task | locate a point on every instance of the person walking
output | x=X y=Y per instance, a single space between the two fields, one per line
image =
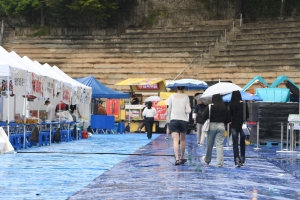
x=149 y=113
x=140 y=127
x=219 y=116
x=199 y=110
x=179 y=105
x=239 y=114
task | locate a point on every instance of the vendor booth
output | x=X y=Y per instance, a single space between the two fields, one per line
x=133 y=113
x=113 y=103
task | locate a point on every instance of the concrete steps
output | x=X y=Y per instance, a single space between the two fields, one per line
x=268 y=49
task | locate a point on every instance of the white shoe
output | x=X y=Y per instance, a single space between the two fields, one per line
x=166 y=138
x=203 y=159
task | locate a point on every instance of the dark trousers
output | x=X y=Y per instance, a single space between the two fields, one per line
x=141 y=125
x=235 y=142
x=149 y=121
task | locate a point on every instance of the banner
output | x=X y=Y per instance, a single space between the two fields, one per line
x=36 y=86
x=19 y=78
x=66 y=93
x=75 y=97
x=88 y=96
x=161 y=111
x=113 y=107
x=83 y=95
x=4 y=88
x=57 y=89
x=48 y=87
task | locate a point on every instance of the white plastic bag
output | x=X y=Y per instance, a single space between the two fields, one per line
x=245 y=128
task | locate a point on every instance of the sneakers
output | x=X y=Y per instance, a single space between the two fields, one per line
x=238 y=164
x=166 y=138
x=219 y=165
x=200 y=144
x=203 y=159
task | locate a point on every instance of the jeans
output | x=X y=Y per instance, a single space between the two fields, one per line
x=215 y=134
x=200 y=134
x=235 y=137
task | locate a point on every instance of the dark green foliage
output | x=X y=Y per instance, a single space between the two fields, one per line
x=67 y=13
x=41 y=32
x=256 y=9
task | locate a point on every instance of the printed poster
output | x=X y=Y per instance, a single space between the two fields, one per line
x=161 y=111
x=113 y=107
x=18 y=82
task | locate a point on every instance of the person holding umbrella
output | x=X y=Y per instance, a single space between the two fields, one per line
x=239 y=113
x=219 y=116
x=179 y=108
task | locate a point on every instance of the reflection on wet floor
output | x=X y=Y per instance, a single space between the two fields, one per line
x=130 y=166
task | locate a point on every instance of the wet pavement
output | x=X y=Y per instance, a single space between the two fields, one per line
x=129 y=166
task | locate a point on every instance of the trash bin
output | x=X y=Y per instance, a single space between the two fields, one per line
x=121 y=127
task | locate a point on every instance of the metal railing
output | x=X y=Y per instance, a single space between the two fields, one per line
x=1 y=33
x=215 y=40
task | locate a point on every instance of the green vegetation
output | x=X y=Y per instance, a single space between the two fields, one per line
x=117 y=13
x=66 y=13
x=41 y=32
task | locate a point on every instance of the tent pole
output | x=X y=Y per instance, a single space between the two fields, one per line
x=7 y=88
x=25 y=123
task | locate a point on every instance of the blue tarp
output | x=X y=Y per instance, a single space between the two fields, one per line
x=101 y=91
x=273 y=94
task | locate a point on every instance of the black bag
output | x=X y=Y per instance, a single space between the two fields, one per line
x=34 y=137
x=56 y=136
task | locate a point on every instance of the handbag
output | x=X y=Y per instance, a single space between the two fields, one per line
x=245 y=128
x=205 y=126
x=245 y=124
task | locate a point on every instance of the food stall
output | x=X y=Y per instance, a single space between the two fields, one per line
x=144 y=87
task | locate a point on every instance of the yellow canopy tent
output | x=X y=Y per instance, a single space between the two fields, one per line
x=145 y=84
x=164 y=96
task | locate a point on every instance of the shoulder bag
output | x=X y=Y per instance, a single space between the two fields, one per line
x=205 y=126
x=245 y=124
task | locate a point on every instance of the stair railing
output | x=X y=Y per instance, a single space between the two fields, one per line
x=1 y=33
x=214 y=41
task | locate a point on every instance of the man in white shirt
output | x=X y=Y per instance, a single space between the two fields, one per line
x=50 y=110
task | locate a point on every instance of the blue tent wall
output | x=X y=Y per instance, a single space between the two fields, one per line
x=101 y=91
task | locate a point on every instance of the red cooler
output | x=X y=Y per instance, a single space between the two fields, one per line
x=85 y=135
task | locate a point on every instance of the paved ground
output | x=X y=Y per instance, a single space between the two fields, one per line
x=130 y=166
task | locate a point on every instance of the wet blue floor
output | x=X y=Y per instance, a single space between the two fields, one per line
x=129 y=166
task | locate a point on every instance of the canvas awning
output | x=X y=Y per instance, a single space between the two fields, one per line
x=145 y=84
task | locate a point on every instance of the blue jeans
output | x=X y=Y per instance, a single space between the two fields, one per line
x=215 y=134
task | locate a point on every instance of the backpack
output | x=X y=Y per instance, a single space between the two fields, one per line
x=56 y=136
x=34 y=137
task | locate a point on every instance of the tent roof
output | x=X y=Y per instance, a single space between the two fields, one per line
x=99 y=90
x=288 y=83
x=254 y=80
